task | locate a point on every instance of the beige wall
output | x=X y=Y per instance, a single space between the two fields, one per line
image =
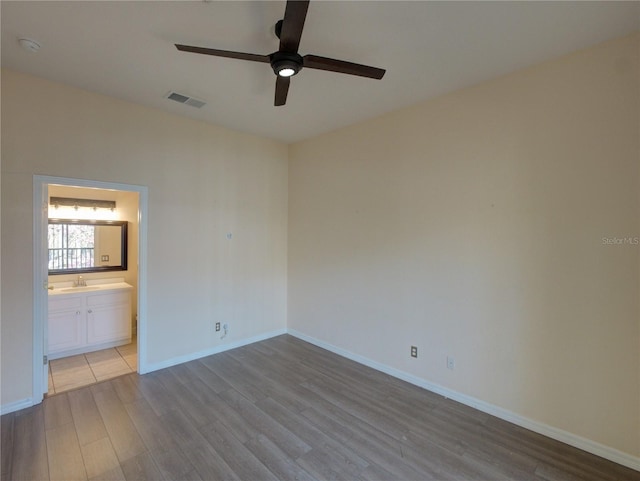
x=472 y=226
x=203 y=182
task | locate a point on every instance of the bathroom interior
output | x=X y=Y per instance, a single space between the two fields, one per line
x=91 y=332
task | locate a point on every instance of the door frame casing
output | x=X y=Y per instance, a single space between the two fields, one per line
x=40 y=268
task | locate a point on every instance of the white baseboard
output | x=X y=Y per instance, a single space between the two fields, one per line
x=566 y=437
x=150 y=367
x=16 y=406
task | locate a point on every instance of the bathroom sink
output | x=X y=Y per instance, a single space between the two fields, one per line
x=80 y=289
x=59 y=290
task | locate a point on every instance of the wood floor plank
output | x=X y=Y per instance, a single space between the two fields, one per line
x=281 y=379
x=180 y=427
x=210 y=378
x=149 y=425
x=358 y=408
x=186 y=399
x=180 y=373
x=381 y=450
x=206 y=460
x=99 y=457
x=550 y=473
x=156 y=394
x=373 y=472
x=173 y=463
x=270 y=367
x=498 y=468
x=315 y=438
x=127 y=388
x=555 y=454
x=191 y=476
x=412 y=397
x=29 y=449
x=159 y=440
x=276 y=460
x=324 y=464
x=115 y=474
x=371 y=439
x=56 y=411
x=291 y=444
x=239 y=425
x=86 y=417
x=6 y=443
x=209 y=465
x=243 y=463
x=141 y=468
x=236 y=375
x=64 y=455
x=494 y=450
x=125 y=439
x=204 y=393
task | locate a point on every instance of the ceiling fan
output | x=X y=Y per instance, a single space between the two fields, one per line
x=286 y=62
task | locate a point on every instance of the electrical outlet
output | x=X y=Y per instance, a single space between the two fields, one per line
x=225 y=326
x=414 y=351
x=451 y=363
x=217 y=326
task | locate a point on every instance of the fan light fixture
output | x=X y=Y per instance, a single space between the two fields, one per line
x=286 y=72
x=286 y=64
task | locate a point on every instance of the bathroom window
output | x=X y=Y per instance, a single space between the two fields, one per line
x=71 y=246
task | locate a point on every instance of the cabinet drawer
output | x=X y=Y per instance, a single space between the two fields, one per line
x=112 y=298
x=64 y=303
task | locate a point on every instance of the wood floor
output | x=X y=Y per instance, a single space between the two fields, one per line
x=280 y=409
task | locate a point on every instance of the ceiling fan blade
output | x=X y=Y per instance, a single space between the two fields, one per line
x=224 y=53
x=292 y=24
x=340 y=66
x=282 y=88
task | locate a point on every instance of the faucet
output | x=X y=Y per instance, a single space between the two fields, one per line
x=81 y=282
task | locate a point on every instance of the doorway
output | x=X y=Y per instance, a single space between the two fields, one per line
x=132 y=356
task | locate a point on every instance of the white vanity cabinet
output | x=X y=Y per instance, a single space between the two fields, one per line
x=108 y=317
x=66 y=323
x=88 y=321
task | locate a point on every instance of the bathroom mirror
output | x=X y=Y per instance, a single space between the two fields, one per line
x=79 y=246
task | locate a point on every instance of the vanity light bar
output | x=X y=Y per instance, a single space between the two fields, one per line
x=93 y=203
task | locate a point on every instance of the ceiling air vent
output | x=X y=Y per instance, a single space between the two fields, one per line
x=185 y=99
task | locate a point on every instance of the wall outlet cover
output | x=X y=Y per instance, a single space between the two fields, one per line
x=451 y=363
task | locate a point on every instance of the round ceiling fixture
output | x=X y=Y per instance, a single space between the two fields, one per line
x=29 y=44
x=286 y=64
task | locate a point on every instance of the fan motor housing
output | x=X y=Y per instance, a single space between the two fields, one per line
x=286 y=60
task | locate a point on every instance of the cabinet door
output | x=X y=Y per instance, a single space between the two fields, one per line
x=66 y=330
x=108 y=323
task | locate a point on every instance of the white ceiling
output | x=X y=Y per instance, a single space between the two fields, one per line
x=125 y=50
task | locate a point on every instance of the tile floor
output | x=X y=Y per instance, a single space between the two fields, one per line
x=84 y=369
